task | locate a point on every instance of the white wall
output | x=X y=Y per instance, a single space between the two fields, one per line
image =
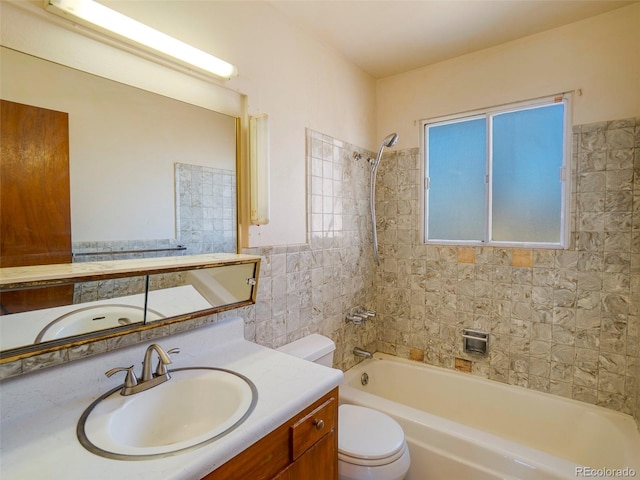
x=600 y=56
x=284 y=71
x=300 y=83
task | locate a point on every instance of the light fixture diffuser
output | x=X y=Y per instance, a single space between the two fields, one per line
x=259 y=169
x=98 y=17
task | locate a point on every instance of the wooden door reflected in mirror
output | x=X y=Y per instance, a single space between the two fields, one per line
x=35 y=216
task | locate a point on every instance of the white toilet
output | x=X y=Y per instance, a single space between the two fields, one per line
x=371 y=445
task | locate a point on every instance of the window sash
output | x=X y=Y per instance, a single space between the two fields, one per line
x=488 y=114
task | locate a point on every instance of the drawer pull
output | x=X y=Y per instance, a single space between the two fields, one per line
x=311 y=428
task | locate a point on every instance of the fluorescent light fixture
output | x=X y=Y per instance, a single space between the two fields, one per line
x=259 y=169
x=98 y=17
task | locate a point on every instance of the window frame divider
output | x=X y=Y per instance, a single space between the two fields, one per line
x=489 y=181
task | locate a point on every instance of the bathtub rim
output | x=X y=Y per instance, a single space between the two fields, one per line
x=523 y=454
x=493 y=383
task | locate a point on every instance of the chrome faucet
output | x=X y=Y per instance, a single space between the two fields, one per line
x=359 y=352
x=366 y=313
x=133 y=385
x=355 y=318
x=359 y=315
x=163 y=361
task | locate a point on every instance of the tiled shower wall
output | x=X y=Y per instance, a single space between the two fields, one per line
x=561 y=321
x=206 y=208
x=309 y=288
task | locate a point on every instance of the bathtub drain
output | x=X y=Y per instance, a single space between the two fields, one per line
x=364 y=379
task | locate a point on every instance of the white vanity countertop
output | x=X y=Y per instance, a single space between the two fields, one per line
x=40 y=410
x=142 y=266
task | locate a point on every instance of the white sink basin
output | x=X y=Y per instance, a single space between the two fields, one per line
x=195 y=407
x=94 y=318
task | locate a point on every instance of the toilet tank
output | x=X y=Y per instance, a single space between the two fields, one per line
x=314 y=348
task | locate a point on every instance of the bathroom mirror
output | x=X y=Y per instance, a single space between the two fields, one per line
x=144 y=168
x=106 y=306
x=182 y=293
x=92 y=306
x=149 y=175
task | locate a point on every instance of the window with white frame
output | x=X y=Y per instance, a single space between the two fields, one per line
x=499 y=176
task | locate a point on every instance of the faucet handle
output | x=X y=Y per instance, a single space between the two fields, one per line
x=161 y=368
x=367 y=313
x=130 y=380
x=356 y=318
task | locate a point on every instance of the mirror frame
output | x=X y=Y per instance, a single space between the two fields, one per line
x=26 y=351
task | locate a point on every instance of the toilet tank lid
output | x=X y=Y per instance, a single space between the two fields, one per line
x=311 y=347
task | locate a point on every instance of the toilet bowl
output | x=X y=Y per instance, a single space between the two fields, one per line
x=371 y=445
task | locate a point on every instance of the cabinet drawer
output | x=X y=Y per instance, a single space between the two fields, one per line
x=273 y=456
x=311 y=428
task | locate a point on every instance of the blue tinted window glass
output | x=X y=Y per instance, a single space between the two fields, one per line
x=527 y=154
x=456 y=159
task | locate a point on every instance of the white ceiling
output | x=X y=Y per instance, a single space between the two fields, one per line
x=387 y=37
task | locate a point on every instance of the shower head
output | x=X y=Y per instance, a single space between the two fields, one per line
x=390 y=140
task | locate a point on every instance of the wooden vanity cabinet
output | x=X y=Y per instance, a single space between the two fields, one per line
x=304 y=447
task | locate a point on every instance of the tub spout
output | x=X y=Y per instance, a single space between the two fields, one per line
x=358 y=352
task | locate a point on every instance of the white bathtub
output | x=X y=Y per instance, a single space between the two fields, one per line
x=462 y=427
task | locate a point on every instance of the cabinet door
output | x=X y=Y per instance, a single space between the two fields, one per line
x=285 y=474
x=320 y=462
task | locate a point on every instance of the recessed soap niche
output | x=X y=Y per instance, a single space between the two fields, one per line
x=475 y=342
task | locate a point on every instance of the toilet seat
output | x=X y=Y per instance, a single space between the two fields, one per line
x=372 y=463
x=368 y=437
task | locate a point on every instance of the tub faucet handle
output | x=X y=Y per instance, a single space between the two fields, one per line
x=356 y=318
x=367 y=313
